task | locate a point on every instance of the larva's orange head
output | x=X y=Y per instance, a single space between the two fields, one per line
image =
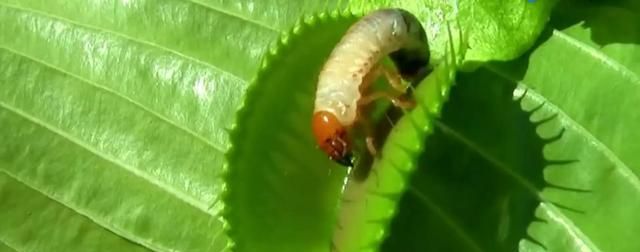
x=331 y=137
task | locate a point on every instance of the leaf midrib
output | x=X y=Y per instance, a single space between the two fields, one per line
x=596 y=54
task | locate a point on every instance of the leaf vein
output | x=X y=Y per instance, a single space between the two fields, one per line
x=447 y=219
x=120 y=96
x=495 y=161
x=605 y=59
x=7 y=244
x=585 y=244
x=118 y=231
x=184 y=197
x=624 y=170
x=127 y=37
x=235 y=15
x=567 y=223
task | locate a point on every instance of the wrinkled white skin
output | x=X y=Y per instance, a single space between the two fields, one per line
x=363 y=46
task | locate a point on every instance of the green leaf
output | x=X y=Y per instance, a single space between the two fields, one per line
x=114 y=117
x=478 y=178
x=594 y=101
x=30 y=225
x=491 y=181
x=5 y=248
x=281 y=188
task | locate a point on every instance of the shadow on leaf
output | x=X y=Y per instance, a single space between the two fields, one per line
x=477 y=183
x=609 y=21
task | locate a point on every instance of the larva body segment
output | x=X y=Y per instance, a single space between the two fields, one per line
x=348 y=72
x=363 y=46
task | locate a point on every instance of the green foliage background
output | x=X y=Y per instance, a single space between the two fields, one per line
x=115 y=121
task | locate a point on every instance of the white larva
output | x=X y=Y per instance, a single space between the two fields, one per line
x=386 y=32
x=364 y=45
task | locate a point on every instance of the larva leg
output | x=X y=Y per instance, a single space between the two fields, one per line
x=371 y=146
x=369 y=137
x=396 y=100
x=394 y=79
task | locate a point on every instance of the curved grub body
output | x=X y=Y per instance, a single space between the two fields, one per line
x=387 y=32
x=344 y=81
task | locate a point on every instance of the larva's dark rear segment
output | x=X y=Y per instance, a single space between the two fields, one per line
x=412 y=60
